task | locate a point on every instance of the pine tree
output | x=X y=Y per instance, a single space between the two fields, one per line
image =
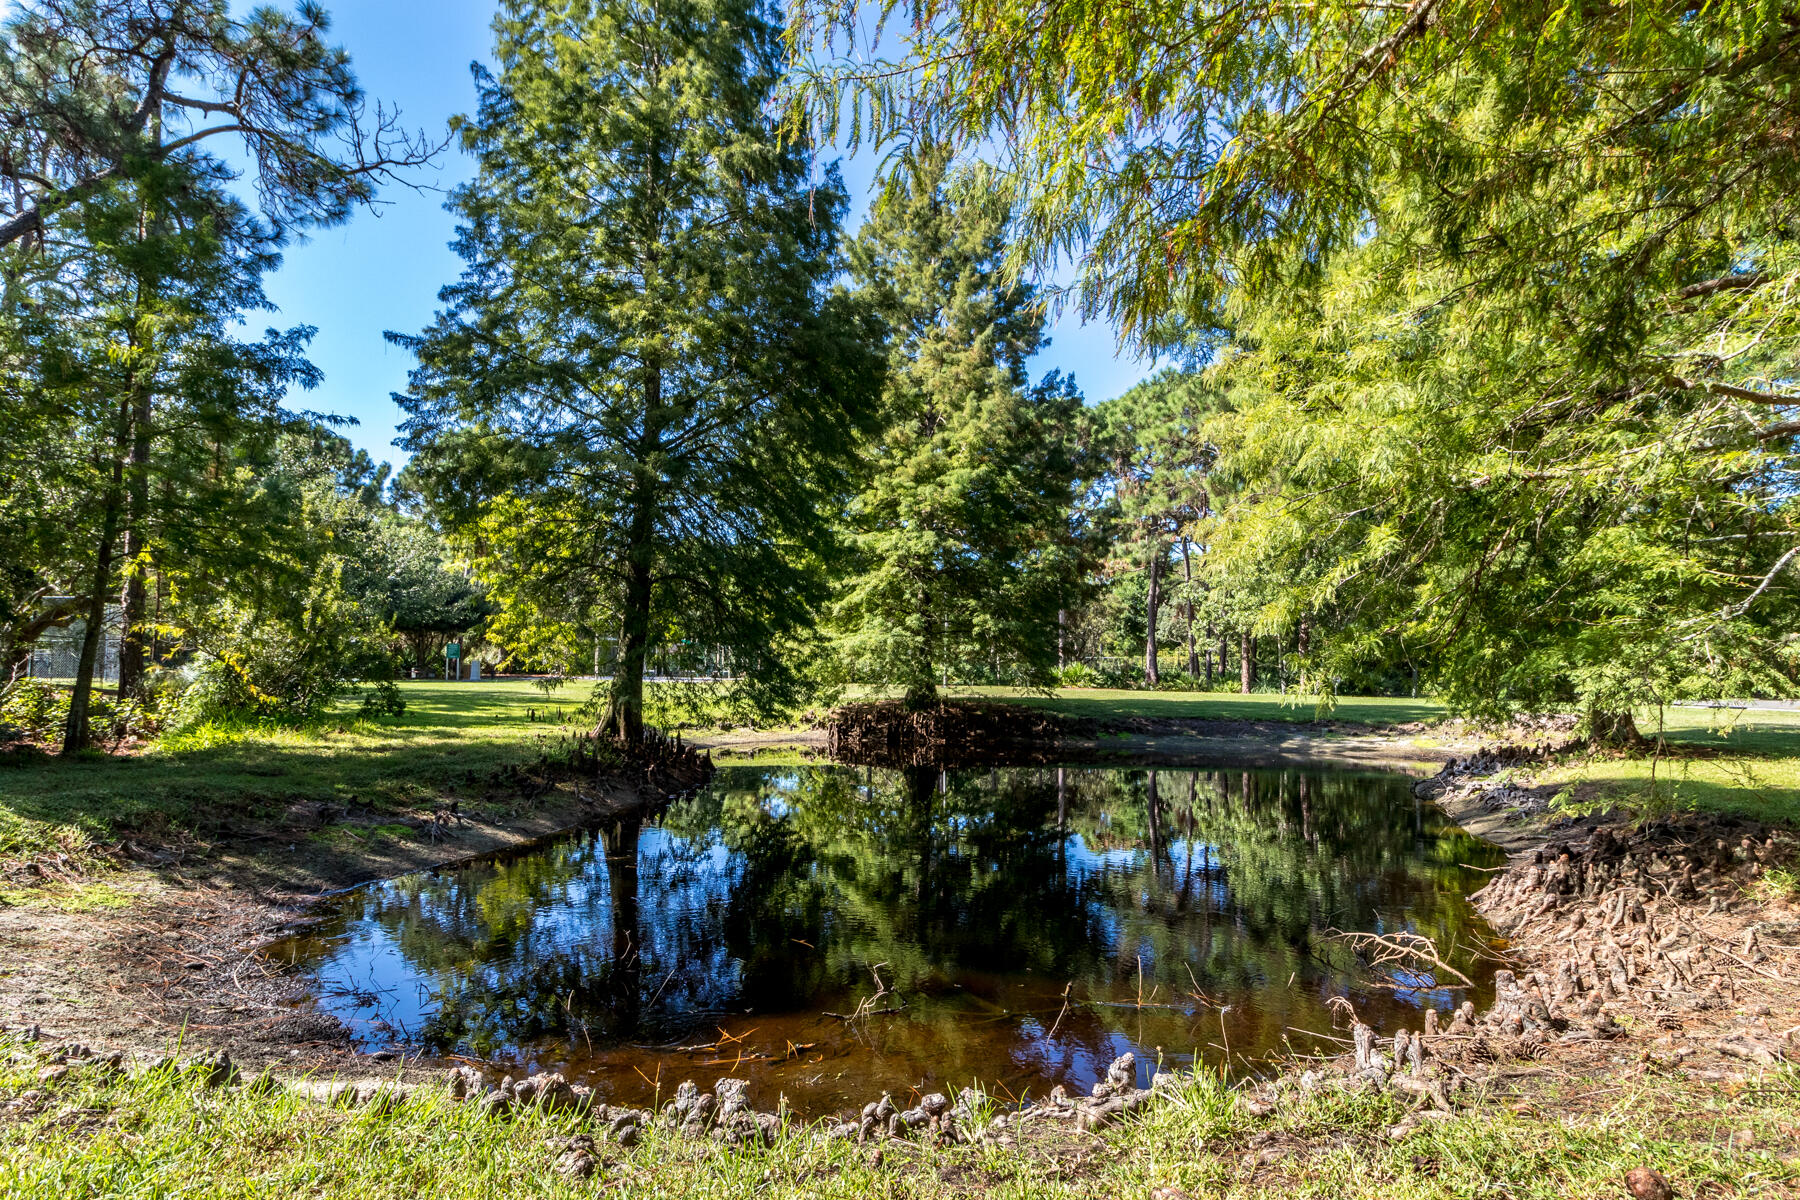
x=963 y=538
x=134 y=352
x=639 y=392
x=1158 y=459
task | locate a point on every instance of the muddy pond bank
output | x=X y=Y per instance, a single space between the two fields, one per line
x=832 y=932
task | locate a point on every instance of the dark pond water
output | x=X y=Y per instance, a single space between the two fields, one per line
x=1021 y=927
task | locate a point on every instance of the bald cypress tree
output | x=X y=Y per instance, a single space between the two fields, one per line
x=964 y=547
x=640 y=393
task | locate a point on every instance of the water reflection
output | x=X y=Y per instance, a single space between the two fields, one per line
x=1022 y=926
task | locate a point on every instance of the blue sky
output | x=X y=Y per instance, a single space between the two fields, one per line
x=383 y=269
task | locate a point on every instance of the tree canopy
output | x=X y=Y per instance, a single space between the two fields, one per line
x=1502 y=297
x=964 y=549
x=640 y=391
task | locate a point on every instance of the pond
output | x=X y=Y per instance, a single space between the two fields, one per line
x=832 y=932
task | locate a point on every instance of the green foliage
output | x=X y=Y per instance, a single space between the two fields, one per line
x=1155 y=491
x=638 y=401
x=318 y=607
x=382 y=700
x=416 y=593
x=963 y=548
x=1508 y=295
x=36 y=709
x=1779 y=883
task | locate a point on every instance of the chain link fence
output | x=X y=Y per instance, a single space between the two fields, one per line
x=54 y=659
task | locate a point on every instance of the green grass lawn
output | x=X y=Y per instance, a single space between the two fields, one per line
x=453 y=735
x=1751 y=766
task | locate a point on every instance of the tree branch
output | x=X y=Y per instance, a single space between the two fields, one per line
x=1724 y=283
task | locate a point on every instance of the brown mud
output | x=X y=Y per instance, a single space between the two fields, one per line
x=173 y=955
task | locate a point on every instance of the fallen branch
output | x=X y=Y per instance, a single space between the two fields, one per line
x=1400 y=947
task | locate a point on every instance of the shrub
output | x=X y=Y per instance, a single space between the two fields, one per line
x=1076 y=674
x=383 y=700
x=37 y=709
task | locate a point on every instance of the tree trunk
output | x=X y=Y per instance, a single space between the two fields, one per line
x=625 y=714
x=134 y=601
x=15 y=660
x=1187 y=573
x=1246 y=661
x=1209 y=657
x=75 y=732
x=922 y=692
x=1612 y=729
x=1152 y=602
x=134 y=444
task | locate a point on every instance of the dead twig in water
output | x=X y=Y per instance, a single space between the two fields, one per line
x=867 y=1006
x=1062 y=1012
x=1400 y=948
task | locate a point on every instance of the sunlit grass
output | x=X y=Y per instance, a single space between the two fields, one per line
x=213 y=776
x=1116 y=703
x=167 y=1135
x=1742 y=762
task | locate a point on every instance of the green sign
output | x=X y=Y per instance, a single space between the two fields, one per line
x=453 y=650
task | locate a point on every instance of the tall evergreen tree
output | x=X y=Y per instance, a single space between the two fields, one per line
x=1158 y=459
x=639 y=390
x=964 y=546
x=137 y=360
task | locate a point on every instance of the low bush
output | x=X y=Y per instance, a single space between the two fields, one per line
x=1076 y=674
x=383 y=700
x=37 y=709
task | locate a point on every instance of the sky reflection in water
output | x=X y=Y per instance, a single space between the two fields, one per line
x=1027 y=924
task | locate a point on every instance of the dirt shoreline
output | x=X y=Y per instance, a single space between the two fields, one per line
x=175 y=955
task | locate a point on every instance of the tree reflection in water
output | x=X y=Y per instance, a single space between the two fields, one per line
x=1029 y=924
